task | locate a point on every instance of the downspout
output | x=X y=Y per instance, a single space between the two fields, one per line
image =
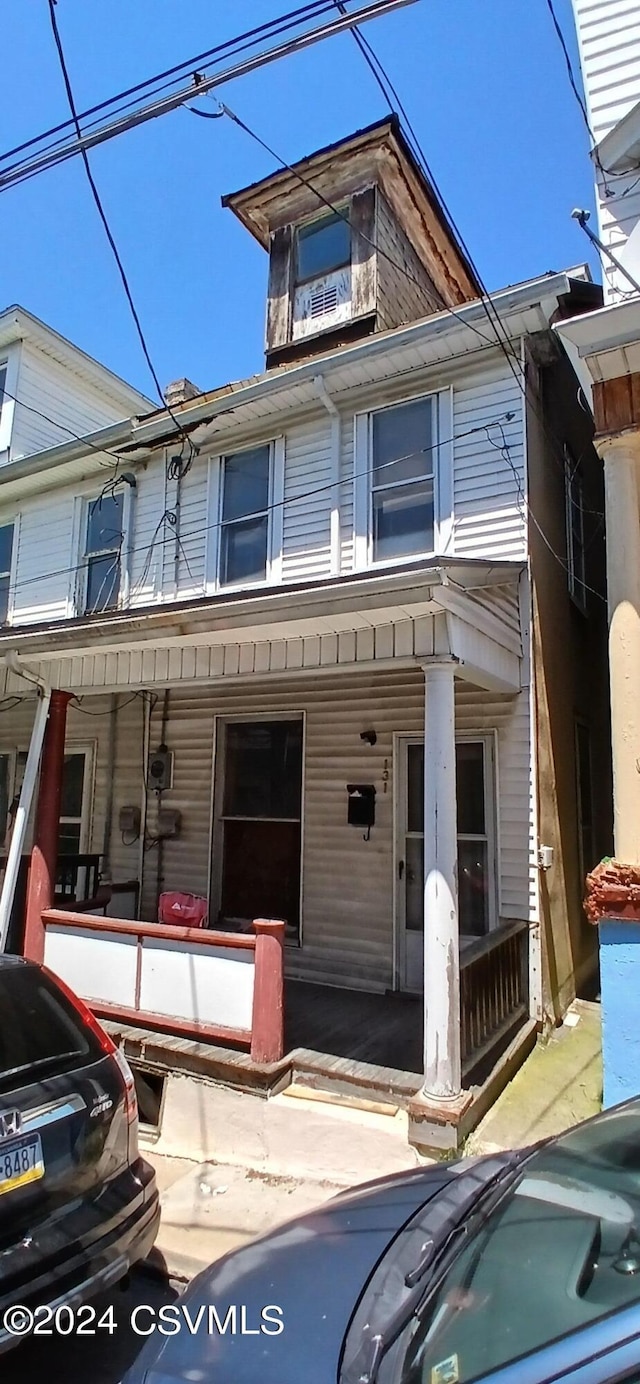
x=163 y=741
x=111 y=768
x=327 y=401
x=29 y=781
x=146 y=739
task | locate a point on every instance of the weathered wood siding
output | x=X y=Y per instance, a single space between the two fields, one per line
x=405 y=291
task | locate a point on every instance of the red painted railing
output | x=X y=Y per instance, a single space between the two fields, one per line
x=264 y=1036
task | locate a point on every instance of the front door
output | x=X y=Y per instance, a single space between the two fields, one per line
x=257 y=838
x=410 y=864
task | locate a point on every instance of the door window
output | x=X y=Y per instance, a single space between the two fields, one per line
x=261 y=823
x=473 y=794
x=71 y=805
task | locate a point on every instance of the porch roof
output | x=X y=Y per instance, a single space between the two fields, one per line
x=466 y=609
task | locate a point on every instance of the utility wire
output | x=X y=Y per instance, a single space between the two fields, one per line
x=200 y=60
x=386 y=85
x=4 y=394
x=199 y=84
x=508 y=416
x=103 y=217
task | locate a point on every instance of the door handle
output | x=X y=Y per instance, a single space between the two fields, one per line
x=400 y=869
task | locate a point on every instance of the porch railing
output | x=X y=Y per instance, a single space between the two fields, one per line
x=217 y=986
x=77 y=877
x=494 y=990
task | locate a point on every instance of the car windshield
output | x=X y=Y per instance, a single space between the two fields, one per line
x=560 y=1250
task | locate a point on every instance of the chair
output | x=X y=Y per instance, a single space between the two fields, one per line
x=187 y=910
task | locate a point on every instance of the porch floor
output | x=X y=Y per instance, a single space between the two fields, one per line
x=383 y=1030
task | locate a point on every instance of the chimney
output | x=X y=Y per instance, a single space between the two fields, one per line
x=179 y=391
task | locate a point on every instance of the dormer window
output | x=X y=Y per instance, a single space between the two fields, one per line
x=322 y=246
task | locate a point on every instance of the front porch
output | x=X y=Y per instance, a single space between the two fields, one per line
x=312 y=777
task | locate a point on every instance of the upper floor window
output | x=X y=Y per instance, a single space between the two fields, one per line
x=323 y=246
x=574 y=505
x=104 y=535
x=3 y=381
x=402 y=480
x=244 y=535
x=6 y=556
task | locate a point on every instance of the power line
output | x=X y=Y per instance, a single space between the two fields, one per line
x=199 y=85
x=507 y=416
x=101 y=212
x=204 y=59
x=386 y=85
x=5 y=394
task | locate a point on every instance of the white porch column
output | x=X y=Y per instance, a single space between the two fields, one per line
x=442 y=1071
x=620 y=455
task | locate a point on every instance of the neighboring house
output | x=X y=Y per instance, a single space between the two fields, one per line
x=349 y=621
x=51 y=394
x=606 y=348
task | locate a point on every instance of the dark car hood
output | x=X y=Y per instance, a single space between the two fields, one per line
x=313 y=1268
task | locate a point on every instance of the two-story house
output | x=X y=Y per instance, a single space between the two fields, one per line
x=337 y=632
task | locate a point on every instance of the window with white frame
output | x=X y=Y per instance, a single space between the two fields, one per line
x=244 y=538
x=6 y=557
x=476 y=850
x=402 y=442
x=3 y=381
x=103 y=544
x=574 y=504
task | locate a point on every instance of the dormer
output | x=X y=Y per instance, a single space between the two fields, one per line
x=358 y=243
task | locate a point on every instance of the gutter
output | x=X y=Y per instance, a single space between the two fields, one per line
x=509 y=300
x=209 y=614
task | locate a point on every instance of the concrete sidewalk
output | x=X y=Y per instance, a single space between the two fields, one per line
x=257 y=1163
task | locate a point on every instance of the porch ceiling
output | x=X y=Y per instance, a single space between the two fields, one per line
x=468 y=611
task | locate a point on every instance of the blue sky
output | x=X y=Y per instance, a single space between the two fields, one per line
x=484 y=83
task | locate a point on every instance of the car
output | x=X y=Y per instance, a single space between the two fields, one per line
x=516 y=1268
x=78 y=1205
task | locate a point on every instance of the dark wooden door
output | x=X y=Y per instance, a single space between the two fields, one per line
x=261 y=823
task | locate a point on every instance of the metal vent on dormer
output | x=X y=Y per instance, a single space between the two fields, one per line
x=324 y=299
x=322 y=303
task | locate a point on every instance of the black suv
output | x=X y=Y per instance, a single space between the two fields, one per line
x=78 y=1205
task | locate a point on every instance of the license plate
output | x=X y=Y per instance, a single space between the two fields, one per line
x=21 y=1162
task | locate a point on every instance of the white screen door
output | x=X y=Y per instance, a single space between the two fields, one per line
x=410 y=865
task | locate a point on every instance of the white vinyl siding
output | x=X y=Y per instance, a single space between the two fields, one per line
x=489 y=488
x=480 y=500
x=306 y=546
x=72 y=405
x=347 y=884
x=609 y=41
x=44 y=560
x=88 y=726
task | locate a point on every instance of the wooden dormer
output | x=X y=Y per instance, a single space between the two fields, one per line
x=358 y=243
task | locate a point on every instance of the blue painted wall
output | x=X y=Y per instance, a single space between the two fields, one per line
x=620 y=989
